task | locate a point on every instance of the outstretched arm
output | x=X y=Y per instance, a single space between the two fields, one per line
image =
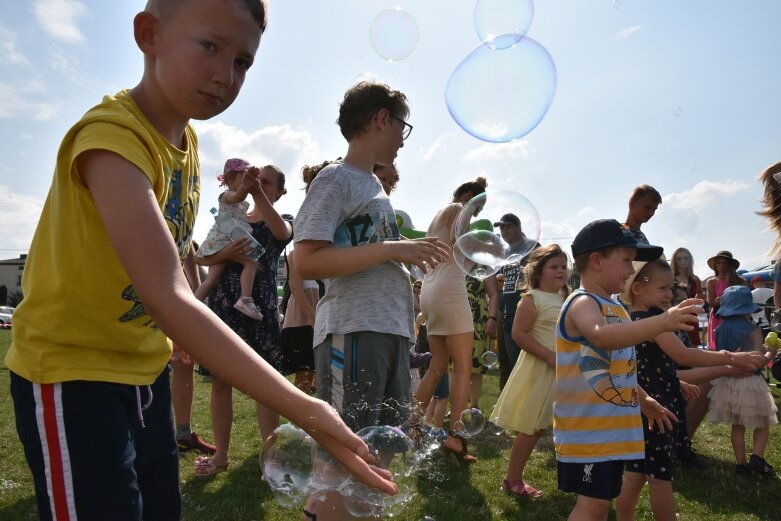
x=123 y=194
x=585 y=319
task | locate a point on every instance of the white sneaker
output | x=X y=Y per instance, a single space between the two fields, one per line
x=248 y=307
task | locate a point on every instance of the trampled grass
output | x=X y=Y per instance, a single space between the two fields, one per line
x=452 y=492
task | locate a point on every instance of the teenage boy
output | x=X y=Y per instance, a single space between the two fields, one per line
x=346 y=232
x=597 y=424
x=91 y=392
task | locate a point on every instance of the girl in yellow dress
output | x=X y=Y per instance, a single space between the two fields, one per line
x=526 y=403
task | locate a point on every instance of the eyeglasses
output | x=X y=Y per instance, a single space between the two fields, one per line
x=407 y=127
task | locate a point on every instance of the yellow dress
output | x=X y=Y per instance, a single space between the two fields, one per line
x=526 y=402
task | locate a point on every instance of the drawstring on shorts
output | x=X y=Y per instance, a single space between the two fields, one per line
x=146 y=406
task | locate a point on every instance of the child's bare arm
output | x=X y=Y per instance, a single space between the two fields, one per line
x=700 y=375
x=297 y=289
x=122 y=195
x=674 y=348
x=585 y=319
x=525 y=317
x=321 y=260
x=233 y=197
x=280 y=228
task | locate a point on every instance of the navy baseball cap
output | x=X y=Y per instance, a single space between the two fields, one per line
x=604 y=233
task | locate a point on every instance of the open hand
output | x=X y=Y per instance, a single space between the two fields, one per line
x=689 y=391
x=657 y=415
x=323 y=423
x=426 y=253
x=684 y=315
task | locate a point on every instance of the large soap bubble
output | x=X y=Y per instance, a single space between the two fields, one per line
x=287 y=464
x=489 y=360
x=498 y=95
x=394 y=34
x=394 y=451
x=480 y=253
x=515 y=226
x=502 y=23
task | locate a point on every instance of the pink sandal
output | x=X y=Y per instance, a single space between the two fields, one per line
x=519 y=488
x=205 y=466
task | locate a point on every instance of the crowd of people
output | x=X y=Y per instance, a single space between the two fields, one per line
x=612 y=366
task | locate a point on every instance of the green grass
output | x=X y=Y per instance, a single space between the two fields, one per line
x=452 y=492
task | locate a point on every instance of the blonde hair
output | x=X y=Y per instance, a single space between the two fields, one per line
x=771 y=201
x=533 y=270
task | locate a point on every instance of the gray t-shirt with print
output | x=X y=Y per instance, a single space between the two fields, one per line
x=347 y=207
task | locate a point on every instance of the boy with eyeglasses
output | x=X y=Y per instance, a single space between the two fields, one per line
x=346 y=232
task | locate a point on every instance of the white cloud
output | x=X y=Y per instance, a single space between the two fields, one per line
x=8 y=52
x=516 y=149
x=15 y=102
x=704 y=195
x=583 y=212
x=285 y=146
x=20 y=216
x=439 y=145
x=557 y=232
x=58 y=18
x=626 y=32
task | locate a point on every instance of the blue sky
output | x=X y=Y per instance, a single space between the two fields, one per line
x=679 y=94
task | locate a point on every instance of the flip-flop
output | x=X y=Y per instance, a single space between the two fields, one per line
x=519 y=488
x=205 y=466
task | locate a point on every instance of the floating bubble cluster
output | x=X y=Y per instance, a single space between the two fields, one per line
x=504 y=88
x=394 y=34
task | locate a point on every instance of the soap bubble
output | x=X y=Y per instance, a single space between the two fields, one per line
x=489 y=359
x=480 y=253
x=497 y=208
x=394 y=451
x=618 y=4
x=471 y=423
x=286 y=464
x=678 y=111
x=498 y=95
x=394 y=34
x=502 y=23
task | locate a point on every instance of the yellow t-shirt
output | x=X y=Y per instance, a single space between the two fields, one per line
x=81 y=318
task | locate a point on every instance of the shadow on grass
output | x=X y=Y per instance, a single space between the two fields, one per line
x=718 y=489
x=239 y=493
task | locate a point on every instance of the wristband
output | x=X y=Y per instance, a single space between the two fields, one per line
x=730 y=355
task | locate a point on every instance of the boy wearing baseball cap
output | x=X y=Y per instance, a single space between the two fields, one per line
x=597 y=424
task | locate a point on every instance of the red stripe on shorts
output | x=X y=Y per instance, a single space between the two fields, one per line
x=59 y=497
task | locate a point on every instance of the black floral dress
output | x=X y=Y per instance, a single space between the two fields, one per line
x=262 y=335
x=656 y=374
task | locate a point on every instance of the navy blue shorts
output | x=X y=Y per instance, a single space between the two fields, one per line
x=89 y=454
x=601 y=480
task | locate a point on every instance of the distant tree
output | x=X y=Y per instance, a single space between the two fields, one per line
x=15 y=298
x=3 y=294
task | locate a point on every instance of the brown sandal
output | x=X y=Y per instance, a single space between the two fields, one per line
x=463 y=454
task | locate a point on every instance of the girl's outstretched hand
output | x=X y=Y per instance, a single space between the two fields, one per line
x=327 y=428
x=657 y=415
x=689 y=391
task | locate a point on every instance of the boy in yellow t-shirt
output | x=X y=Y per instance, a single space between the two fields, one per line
x=104 y=285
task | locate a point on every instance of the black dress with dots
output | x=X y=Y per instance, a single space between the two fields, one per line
x=656 y=374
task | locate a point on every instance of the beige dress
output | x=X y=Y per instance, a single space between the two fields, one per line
x=443 y=299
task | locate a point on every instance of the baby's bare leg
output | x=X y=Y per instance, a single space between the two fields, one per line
x=248 y=277
x=210 y=282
